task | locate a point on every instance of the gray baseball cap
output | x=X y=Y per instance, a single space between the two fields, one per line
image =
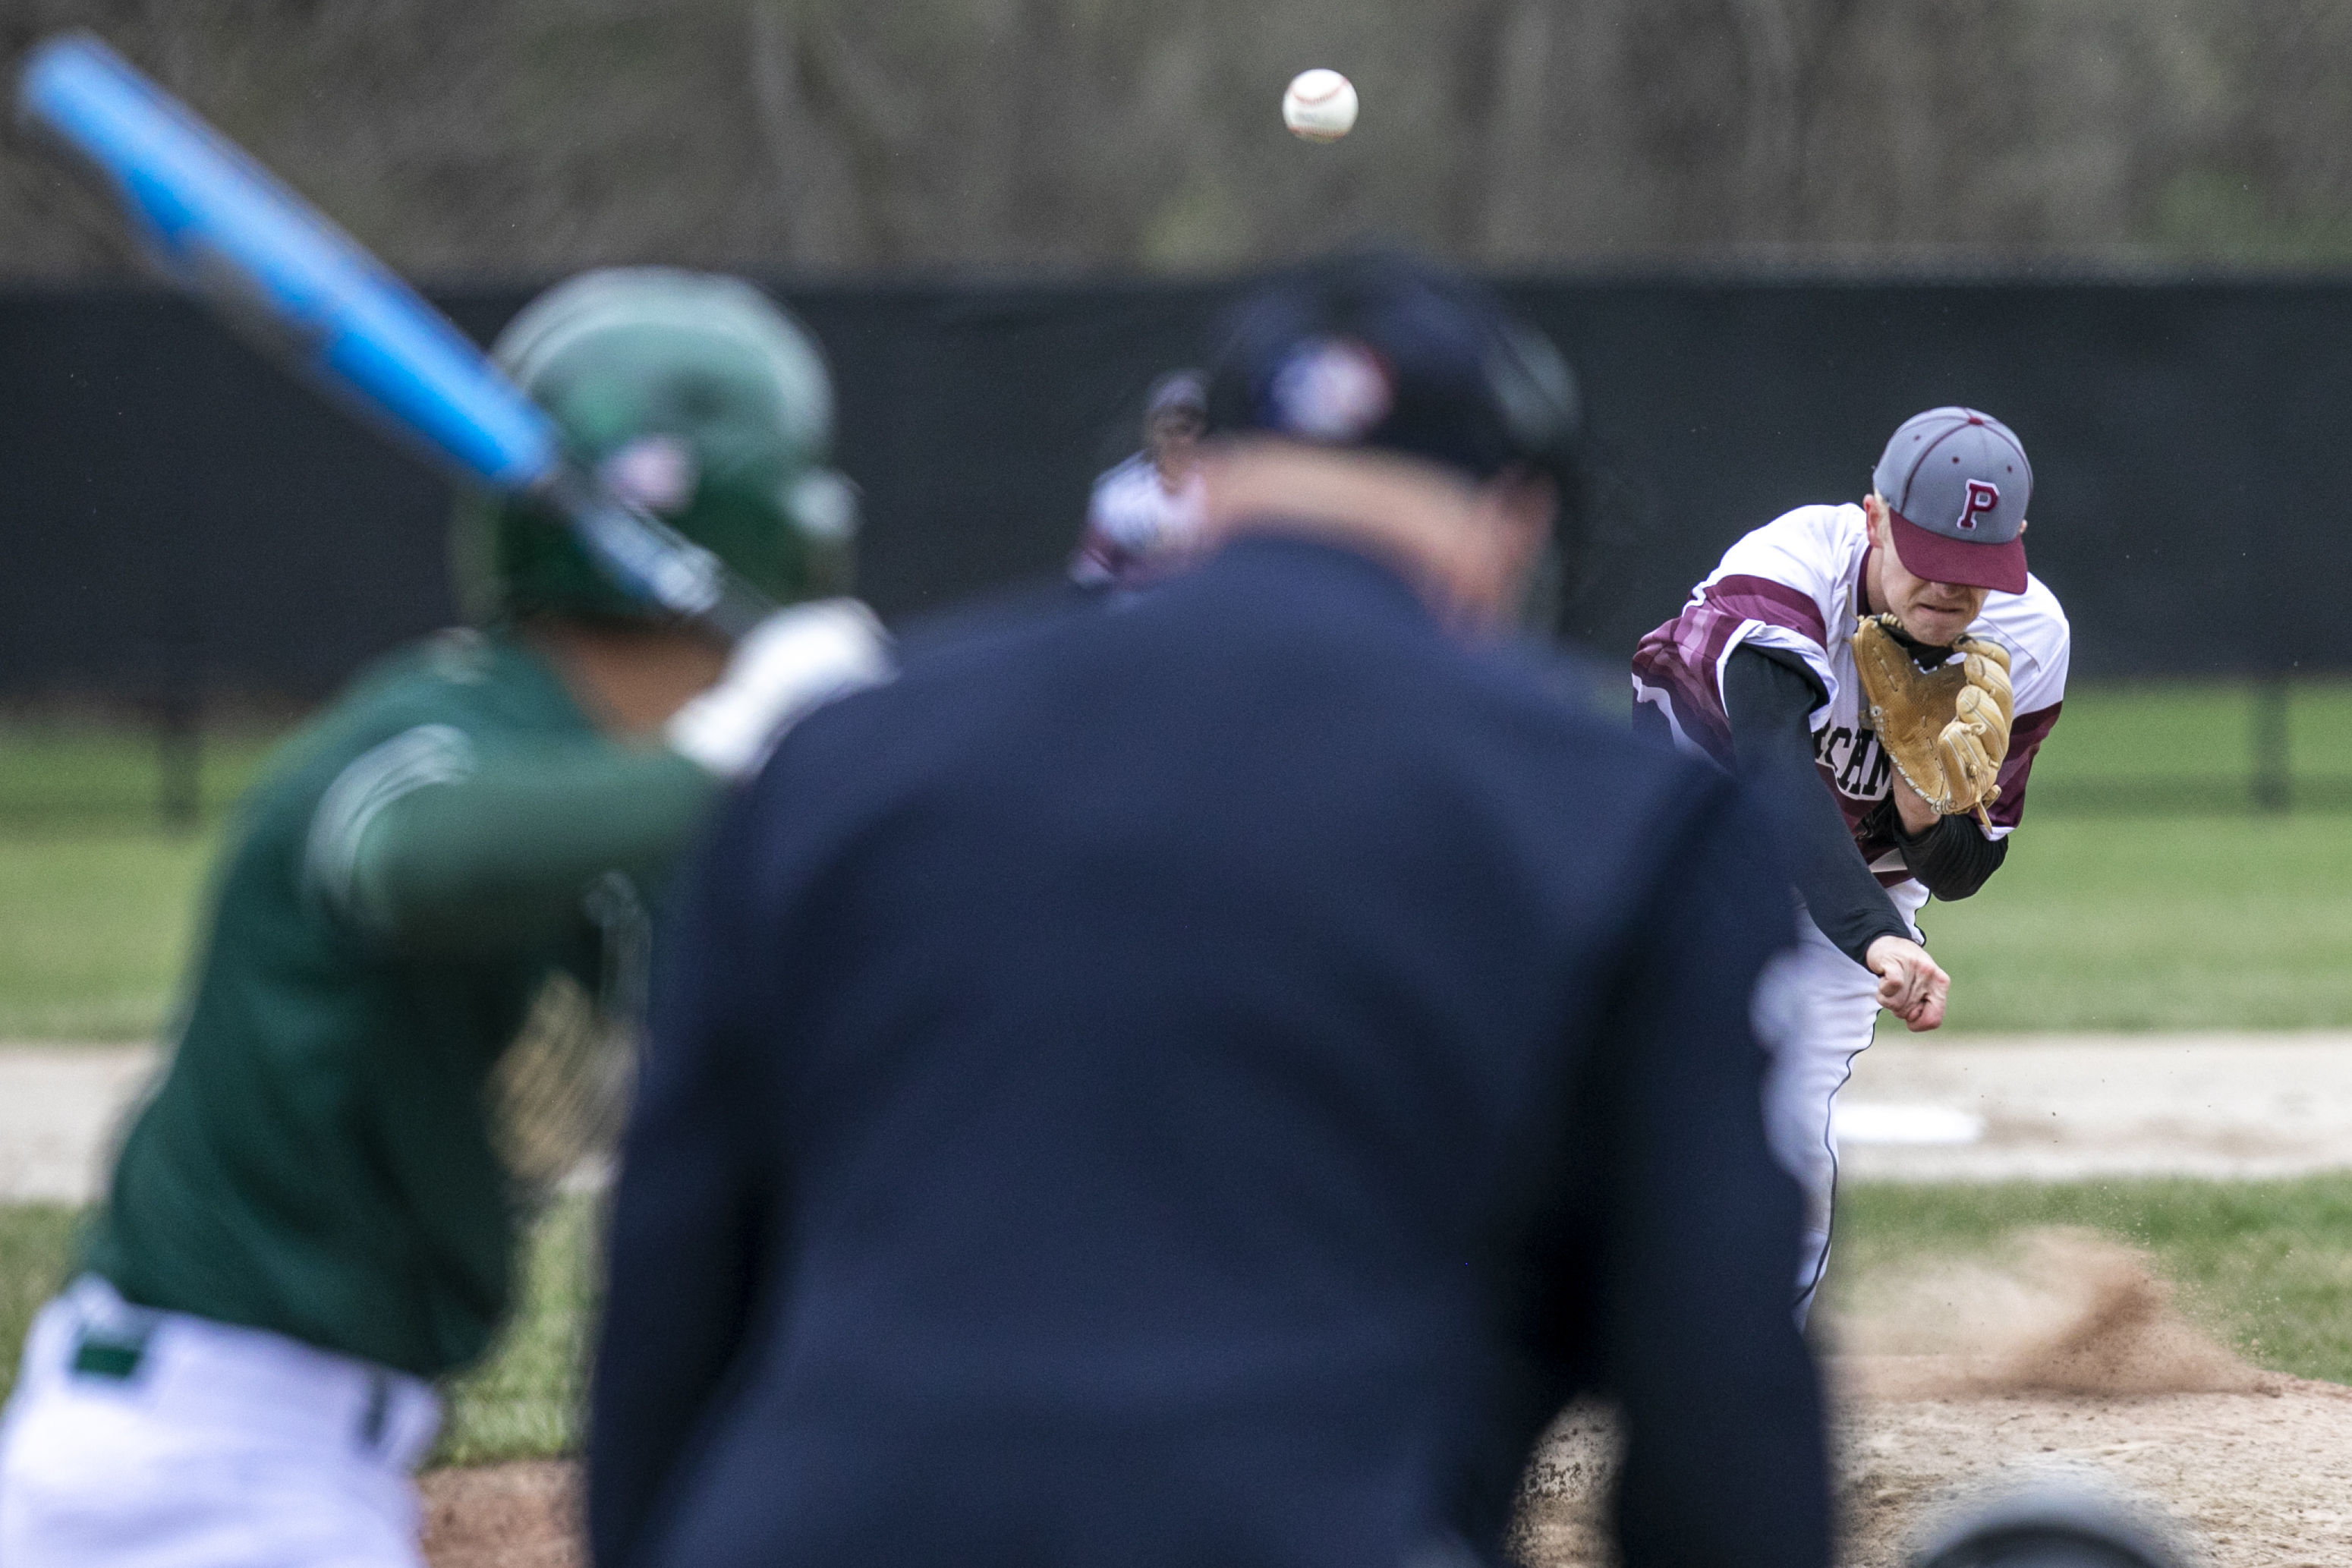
x=1957 y=481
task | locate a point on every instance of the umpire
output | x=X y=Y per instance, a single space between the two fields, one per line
x=1205 y=1082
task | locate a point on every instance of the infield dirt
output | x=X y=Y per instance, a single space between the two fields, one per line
x=521 y=1515
x=2054 y=1108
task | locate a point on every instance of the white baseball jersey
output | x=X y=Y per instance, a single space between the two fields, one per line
x=1795 y=584
x=1136 y=528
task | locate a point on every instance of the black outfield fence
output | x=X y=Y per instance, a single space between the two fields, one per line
x=178 y=519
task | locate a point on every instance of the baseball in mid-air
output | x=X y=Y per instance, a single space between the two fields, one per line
x=1319 y=105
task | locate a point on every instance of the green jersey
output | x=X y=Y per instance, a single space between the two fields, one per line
x=444 y=864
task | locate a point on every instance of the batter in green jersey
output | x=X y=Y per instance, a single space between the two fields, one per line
x=428 y=940
x=453 y=842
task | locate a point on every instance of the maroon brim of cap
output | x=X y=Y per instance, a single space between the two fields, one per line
x=2000 y=567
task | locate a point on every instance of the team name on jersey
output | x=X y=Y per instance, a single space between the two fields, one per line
x=1852 y=760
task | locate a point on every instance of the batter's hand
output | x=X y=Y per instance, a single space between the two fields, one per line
x=1911 y=986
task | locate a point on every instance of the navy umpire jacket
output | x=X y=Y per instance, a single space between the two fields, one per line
x=1202 y=1083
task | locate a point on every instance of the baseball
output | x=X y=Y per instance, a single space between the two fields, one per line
x=1319 y=105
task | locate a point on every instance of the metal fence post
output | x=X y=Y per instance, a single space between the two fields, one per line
x=178 y=762
x=2273 y=784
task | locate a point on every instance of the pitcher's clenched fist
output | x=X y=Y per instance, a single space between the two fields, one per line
x=1911 y=986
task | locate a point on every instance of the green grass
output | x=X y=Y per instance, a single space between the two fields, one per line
x=94 y=931
x=523 y=1402
x=2319 y=733
x=35 y=1242
x=99 y=900
x=2149 y=922
x=2265 y=1264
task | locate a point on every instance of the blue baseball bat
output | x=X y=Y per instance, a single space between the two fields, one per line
x=221 y=226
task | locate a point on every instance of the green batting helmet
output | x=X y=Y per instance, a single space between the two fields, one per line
x=697 y=397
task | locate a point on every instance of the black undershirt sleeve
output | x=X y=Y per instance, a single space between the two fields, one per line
x=1952 y=857
x=1768 y=702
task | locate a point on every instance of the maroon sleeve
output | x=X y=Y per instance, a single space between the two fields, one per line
x=2026 y=733
x=1678 y=660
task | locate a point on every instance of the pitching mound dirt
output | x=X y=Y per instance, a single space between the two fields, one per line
x=2071 y=1312
x=2071 y=1360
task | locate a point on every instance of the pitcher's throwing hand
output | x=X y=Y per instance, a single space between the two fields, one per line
x=1911 y=986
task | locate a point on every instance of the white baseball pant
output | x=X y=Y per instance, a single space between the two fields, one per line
x=1816 y=1011
x=144 y=1439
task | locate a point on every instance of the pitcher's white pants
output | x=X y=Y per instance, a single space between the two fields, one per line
x=1816 y=1010
x=142 y=1439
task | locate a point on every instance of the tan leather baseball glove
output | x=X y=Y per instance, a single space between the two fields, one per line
x=1945 y=727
